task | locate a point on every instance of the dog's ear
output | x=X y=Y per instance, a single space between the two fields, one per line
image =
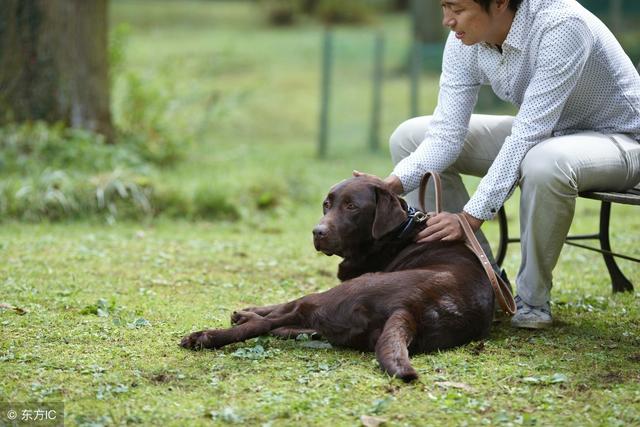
x=390 y=213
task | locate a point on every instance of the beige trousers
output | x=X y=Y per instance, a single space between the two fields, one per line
x=551 y=175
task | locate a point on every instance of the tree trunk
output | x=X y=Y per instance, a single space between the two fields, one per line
x=54 y=63
x=428 y=21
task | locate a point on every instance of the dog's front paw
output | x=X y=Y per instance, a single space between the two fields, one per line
x=197 y=340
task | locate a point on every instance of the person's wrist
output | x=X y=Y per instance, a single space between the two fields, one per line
x=474 y=222
x=394 y=184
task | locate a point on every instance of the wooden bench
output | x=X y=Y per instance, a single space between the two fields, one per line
x=619 y=282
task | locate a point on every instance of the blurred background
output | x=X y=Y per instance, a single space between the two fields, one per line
x=114 y=109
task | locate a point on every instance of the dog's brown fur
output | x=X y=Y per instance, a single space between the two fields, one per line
x=396 y=297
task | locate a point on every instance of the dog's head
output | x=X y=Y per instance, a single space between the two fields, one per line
x=357 y=212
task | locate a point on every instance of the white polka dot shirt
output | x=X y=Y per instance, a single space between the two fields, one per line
x=559 y=64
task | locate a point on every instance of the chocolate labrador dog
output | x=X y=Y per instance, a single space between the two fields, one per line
x=396 y=298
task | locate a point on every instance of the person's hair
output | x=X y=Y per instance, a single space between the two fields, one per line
x=486 y=4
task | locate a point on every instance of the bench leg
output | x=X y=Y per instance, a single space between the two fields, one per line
x=504 y=236
x=619 y=282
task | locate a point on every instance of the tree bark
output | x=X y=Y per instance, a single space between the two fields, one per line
x=54 y=63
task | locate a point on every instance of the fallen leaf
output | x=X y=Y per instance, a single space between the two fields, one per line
x=369 y=421
x=18 y=310
x=315 y=344
x=558 y=378
x=546 y=379
x=138 y=323
x=450 y=384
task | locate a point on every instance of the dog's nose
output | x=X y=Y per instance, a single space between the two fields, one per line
x=320 y=231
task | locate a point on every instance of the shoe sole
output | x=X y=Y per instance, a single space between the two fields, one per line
x=532 y=325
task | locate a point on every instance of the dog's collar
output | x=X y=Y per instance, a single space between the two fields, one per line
x=414 y=218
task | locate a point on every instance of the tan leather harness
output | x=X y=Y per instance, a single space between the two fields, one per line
x=500 y=288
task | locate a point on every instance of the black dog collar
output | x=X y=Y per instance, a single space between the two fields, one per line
x=414 y=218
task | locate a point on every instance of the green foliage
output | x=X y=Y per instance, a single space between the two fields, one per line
x=142 y=114
x=31 y=147
x=210 y=202
x=101 y=308
x=268 y=193
x=50 y=195
x=630 y=41
x=172 y=202
x=143 y=119
x=118 y=40
x=51 y=172
x=287 y=12
x=345 y=12
x=122 y=194
x=281 y=12
x=57 y=195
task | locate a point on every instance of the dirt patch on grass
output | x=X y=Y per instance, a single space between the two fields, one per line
x=612 y=378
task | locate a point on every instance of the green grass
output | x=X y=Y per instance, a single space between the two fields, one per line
x=248 y=96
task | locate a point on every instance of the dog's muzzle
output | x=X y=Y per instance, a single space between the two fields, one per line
x=321 y=239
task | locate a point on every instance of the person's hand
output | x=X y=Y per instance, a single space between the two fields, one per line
x=392 y=181
x=446 y=227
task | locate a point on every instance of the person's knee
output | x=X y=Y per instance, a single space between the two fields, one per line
x=406 y=137
x=544 y=168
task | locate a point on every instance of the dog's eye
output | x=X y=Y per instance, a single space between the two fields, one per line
x=326 y=205
x=351 y=206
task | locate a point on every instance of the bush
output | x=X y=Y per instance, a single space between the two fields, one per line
x=122 y=194
x=211 y=203
x=31 y=147
x=344 y=12
x=281 y=12
x=172 y=202
x=56 y=195
x=141 y=114
x=268 y=194
x=141 y=122
x=54 y=173
x=49 y=195
x=286 y=12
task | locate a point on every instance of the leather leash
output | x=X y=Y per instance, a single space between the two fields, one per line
x=500 y=288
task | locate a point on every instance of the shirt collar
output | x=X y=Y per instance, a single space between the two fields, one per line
x=519 y=28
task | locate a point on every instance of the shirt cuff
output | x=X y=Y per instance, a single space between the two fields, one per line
x=410 y=180
x=481 y=209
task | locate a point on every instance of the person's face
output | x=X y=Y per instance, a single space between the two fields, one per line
x=471 y=23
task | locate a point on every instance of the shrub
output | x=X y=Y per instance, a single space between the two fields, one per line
x=281 y=12
x=48 y=196
x=172 y=202
x=268 y=193
x=141 y=122
x=141 y=112
x=344 y=12
x=210 y=202
x=286 y=12
x=31 y=147
x=122 y=194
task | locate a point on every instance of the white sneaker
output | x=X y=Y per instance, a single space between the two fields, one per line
x=531 y=317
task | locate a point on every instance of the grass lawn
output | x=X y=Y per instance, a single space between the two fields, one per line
x=106 y=305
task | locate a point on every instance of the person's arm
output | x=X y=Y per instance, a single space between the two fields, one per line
x=443 y=141
x=562 y=54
